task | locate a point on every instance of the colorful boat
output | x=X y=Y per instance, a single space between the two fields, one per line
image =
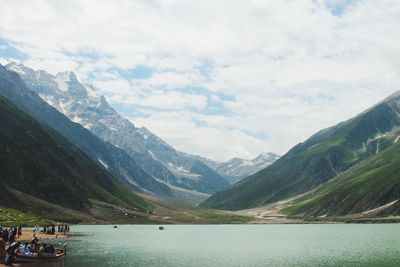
x=57 y=255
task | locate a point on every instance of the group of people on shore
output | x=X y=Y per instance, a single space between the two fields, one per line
x=9 y=235
x=9 y=245
x=51 y=230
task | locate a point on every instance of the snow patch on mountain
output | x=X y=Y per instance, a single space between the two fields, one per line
x=62 y=80
x=104 y=164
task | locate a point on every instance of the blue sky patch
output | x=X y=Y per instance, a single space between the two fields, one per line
x=199 y=123
x=338 y=7
x=8 y=51
x=206 y=68
x=138 y=72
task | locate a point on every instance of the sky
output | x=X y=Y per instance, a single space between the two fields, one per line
x=217 y=78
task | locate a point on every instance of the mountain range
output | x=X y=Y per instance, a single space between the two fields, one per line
x=183 y=174
x=46 y=177
x=352 y=168
x=173 y=173
x=54 y=169
x=330 y=153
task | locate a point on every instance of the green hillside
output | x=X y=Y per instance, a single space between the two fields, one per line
x=367 y=186
x=39 y=162
x=317 y=160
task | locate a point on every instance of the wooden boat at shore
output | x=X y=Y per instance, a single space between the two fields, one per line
x=57 y=255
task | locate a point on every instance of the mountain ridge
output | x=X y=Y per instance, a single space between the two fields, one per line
x=320 y=158
x=237 y=169
x=373 y=186
x=114 y=159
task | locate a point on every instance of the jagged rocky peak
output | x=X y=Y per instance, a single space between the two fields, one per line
x=264 y=156
x=18 y=67
x=67 y=81
x=63 y=83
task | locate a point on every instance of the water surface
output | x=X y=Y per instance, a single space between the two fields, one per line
x=235 y=245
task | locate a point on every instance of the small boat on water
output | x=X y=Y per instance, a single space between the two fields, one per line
x=43 y=257
x=161 y=228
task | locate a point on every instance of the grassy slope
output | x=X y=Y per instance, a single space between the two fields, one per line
x=38 y=161
x=369 y=185
x=12 y=218
x=312 y=163
x=164 y=212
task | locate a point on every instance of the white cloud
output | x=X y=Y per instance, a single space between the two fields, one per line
x=180 y=130
x=292 y=67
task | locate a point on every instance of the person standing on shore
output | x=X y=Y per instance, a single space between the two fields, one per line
x=11 y=236
x=4 y=235
x=19 y=231
x=2 y=251
x=34 y=245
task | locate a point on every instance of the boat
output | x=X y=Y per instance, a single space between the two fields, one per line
x=161 y=228
x=57 y=255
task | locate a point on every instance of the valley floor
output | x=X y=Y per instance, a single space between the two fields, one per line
x=39 y=212
x=273 y=214
x=171 y=212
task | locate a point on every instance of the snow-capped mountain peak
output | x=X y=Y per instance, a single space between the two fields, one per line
x=265 y=157
x=83 y=104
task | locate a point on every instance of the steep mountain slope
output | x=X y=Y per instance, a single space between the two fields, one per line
x=115 y=160
x=83 y=105
x=236 y=169
x=366 y=187
x=317 y=160
x=38 y=161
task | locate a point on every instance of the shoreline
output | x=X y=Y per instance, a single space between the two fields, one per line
x=27 y=235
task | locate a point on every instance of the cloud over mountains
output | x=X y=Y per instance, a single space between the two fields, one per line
x=217 y=78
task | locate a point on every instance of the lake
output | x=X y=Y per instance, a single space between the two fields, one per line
x=235 y=245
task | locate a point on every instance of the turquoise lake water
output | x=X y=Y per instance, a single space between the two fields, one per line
x=234 y=245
